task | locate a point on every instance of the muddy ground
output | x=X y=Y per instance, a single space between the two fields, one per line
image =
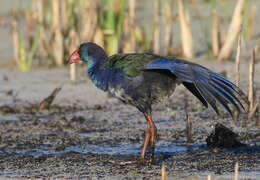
x=86 y=134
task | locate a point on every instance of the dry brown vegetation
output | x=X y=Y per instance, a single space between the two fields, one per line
x=52 y=28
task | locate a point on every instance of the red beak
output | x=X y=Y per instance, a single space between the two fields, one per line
x=74 y=57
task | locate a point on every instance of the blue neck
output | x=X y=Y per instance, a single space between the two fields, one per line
x=98 y=73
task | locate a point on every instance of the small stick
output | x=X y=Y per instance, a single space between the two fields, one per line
x=188 y=128
x=237 y=69
x=45 y=104
x=238 y=60
x=209 y=177
x=236 y=171
x=251 y=82
x=188 y=124
x=164 y=173
x=253 y=110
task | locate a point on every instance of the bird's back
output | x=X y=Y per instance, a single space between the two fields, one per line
x=139 y=87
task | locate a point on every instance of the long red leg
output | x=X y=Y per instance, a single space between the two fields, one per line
x=153 y=134
x=146 y=141
x=150 y=138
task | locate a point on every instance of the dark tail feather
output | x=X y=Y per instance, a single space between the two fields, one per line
x=209 y=87
x=192 y=88
x=208 y=96
x=212 y=92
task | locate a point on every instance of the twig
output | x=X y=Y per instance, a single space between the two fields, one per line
x=236 y=171
x=251 y=95
x=164 y=173
x=253 y=110
x=188 y=128
x=45 y=104
x=209 y=177
x=188 y=123
x=235 y=117
x=238 y=60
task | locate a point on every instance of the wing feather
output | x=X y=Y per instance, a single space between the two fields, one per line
x=208 y=86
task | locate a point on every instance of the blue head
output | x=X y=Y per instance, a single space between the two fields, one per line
x=88 y=52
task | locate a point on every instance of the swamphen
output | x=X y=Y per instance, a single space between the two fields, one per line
x=142 y=79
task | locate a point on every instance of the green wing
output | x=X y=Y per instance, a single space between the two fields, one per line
x=131 y=64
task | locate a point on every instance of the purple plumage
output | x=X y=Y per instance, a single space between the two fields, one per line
x=144 y=79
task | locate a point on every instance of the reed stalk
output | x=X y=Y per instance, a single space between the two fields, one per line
x=215 y=34
x=127 y=48
x=25 y=42
x=99 y=37
x=156 y=26
x=168 y=6
x=111 y=21
x=89 y=25
x=251 y=79
x=238 y=61
x=132 y=15
x=57 y=45
x=250 y=24
x=65 y=15
x=15 y=35
x=233 y=31
x=186 y=35
x=40 y=23
x=26 y=55
x=188 y=128
x=74 y=41
x=251 y=91
x=237 y=70
x=129 y=38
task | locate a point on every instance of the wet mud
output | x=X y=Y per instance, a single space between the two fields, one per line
x=86 y=134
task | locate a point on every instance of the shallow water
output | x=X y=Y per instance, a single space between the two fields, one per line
x=52 y=145
x=111 y=149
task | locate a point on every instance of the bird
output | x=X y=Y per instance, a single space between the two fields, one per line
x=144 y=79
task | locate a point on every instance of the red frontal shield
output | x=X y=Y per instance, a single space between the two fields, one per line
x=74 y=57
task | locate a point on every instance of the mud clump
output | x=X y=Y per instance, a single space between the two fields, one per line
x=222 y=137
x=7 y=110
